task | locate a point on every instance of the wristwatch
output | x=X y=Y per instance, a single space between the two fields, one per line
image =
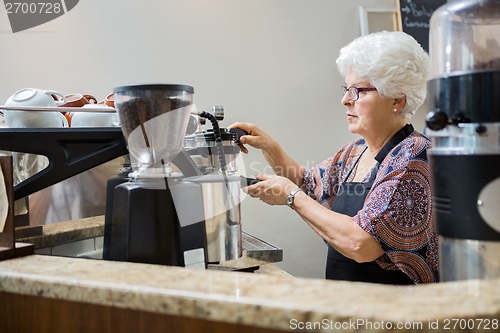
x=291 y=197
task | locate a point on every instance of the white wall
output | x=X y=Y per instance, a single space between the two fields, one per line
x=271 y=62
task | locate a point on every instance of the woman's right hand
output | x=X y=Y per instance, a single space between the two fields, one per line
x=256 y=137
x=282 y=164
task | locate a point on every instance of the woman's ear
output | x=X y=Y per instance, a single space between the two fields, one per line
x=399 y=103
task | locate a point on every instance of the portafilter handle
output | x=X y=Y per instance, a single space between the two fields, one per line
x=245 y=181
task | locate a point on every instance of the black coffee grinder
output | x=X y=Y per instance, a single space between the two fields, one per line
x=171 y=210
x=464 y=123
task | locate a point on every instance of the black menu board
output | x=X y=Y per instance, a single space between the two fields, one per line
x=415 y=16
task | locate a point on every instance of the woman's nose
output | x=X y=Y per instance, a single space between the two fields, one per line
x=346 y=99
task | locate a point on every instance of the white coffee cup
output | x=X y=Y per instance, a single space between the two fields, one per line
x=31 y=97
x=95 y=119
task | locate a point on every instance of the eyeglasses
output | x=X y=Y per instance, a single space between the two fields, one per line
x=354 y=91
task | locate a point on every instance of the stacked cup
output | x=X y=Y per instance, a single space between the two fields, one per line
x=87 y=118
x=31 y=97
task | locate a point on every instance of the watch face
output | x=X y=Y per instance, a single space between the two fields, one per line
x=289 y=200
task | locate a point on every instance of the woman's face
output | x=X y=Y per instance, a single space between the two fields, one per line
x=371 y=113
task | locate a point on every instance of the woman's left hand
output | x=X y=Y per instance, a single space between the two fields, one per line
x=271 y=189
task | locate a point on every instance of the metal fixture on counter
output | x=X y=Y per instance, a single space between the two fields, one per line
x=70 y=151
x=464 y=125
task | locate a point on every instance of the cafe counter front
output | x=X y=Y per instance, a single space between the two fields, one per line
x=48 y=293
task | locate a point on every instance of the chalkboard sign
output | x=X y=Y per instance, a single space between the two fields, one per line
x=415 y=16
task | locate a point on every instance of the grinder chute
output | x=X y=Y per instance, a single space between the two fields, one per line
x=464 y=125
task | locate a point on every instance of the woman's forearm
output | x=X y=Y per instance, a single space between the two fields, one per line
x=338 y=230
x=283 y=165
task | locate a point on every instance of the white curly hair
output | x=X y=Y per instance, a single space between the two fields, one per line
x=393 y=62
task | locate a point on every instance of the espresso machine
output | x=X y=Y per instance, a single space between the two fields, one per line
x=464 y=126
x=179 y=205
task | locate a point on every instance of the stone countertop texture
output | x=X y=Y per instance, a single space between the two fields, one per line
x=68 y=231
x=264 y=300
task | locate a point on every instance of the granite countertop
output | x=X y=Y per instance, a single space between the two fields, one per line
x=268 y=301
x=274 y=300
x=68 y=231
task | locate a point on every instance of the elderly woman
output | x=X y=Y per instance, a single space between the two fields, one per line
x=371 y=201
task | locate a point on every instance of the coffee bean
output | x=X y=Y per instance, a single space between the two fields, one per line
x=135 y=112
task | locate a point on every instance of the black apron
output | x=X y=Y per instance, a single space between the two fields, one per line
x=350 y=199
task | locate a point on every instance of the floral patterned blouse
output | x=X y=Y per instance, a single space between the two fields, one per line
x=398 y=209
